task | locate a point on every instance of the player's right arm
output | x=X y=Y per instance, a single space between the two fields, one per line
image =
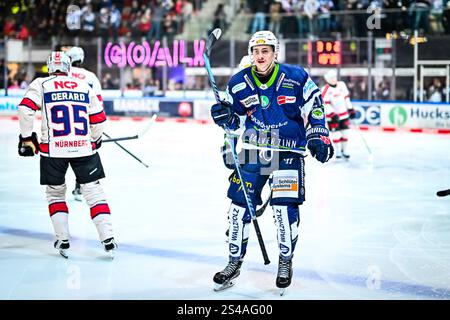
x=31 y=102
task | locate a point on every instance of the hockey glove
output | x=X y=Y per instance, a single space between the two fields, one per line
x=28 y=146
x=319 y=143
x=97 y=144
x=352 y=113
x=223 y=116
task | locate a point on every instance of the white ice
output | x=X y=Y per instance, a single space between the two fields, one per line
x=369 y=230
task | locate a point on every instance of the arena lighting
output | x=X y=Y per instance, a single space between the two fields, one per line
x=144 y=54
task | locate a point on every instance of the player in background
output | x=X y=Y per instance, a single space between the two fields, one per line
x=338 y=109
x=76 y=55
x=278 y=101
x=71 y=132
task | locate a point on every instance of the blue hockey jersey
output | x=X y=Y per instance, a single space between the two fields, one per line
x=277 y=111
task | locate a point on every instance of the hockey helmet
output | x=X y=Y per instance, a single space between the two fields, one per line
x=331 y=77
x=76 y=54
x=58 y=61
x=245 y=62
x=264 y=38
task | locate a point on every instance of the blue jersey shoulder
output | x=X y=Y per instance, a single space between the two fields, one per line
x=294 y=72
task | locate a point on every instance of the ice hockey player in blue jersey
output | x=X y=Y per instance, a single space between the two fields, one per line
x=284 y=117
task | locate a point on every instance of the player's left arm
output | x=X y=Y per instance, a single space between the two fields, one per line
x=318 y=142
x=348 y=103
x=97 y=118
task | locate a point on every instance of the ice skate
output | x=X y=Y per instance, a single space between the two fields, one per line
x=284 y=276
x=77 y=193
x=62 y=246
x=226 y=278
x=110 y=246
x=345 y=155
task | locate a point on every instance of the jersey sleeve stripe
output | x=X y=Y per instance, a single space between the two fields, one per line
x=99 y=97
x=313 y=94
x=29 y=103
x=97 y=117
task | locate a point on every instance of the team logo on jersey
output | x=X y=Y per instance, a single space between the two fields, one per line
x=286 y=99
x=249 y=101
x=317 y=114
x=239 y=87
x=265 y=102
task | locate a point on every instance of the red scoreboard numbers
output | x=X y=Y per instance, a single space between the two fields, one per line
x=328 y=53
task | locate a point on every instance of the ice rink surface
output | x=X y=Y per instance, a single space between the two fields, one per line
x=369 y=230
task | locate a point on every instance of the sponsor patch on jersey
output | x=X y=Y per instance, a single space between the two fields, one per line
x=265 y=102
x=239 y=87
x=286 y=99
x=249 y=101
x=308 y=88
x=317 y=114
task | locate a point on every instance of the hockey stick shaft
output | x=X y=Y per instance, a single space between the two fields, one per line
x=120 y=139
x=363 y=139
x=213 y=37
x=126 y=150
x=137 y=136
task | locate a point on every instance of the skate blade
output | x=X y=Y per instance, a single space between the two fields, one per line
x=111 y=254
x=78 y=198
x=64 y=254
x=282 y=292
x=226 y=285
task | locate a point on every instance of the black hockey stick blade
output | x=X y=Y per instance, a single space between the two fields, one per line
x=443 y=193
x=212 y=38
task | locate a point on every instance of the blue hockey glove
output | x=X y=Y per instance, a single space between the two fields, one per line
x=223 y=116
x=319 y=143
x=28 y=146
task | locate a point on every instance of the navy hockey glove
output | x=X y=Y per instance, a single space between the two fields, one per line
x=223 y=116
x=28 y=146
x=319 y=143
x=352 y=113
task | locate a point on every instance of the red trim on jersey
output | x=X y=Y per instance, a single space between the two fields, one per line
x=97 y=117
x=325 y=89
x=344 y=139
x=29 y=103
x=57 y=207
x=43 y=147
x=336 y=140
x=333 y=125
x=99 y=97
x=343 y=114
x=101 y=208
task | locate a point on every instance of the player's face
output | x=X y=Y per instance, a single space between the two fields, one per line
x=263 y=56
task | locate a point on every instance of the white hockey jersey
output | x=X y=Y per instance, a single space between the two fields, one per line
x=72 y=116
x=87 y=76
x=336 y=100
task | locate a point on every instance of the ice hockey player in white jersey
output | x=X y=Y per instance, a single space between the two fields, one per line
x=71 y=132
x=76 y=55
x=338 y=109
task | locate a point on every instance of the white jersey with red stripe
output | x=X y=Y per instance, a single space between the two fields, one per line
x=336 y=100
x=87 y=76
x=72 y=116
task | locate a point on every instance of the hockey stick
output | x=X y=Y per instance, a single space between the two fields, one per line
x=137 y=136
x=212 y=38
x=124 y=149
x=443 y=193
x=363 y=139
